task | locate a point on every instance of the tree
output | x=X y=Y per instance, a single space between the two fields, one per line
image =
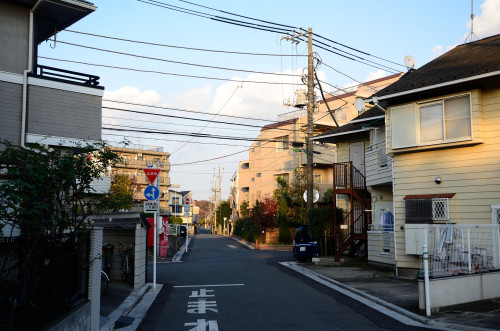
x=293 y=193
x=255 y=216
x=284 y=234
x=244 y=209
x=48 y=190
x=268 y=212
x=327 y=197
x=175 y=220
x=121 y=195
x=223 y=210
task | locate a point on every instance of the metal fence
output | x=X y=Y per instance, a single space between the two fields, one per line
x=462 y=249
x=41 y=278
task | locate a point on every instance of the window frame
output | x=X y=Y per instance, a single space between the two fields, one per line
x=417 y=106
x=281 y=146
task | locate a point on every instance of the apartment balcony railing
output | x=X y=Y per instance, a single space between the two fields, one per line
x=136 y=146
x=67 y=76
x=142 y=163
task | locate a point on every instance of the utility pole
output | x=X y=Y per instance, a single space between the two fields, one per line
x=310 y=128
x=310 y=111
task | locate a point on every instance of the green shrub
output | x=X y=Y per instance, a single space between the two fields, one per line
x=284 y=234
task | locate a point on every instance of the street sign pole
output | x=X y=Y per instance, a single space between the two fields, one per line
x=152 y=175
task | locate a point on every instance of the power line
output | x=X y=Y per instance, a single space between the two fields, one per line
x=211 y=118
x=177 y=124
x=181 y=141
x=276 y=29
x=187 y=111
x=175 y=62
x=192 y=119
x=164 y=73
x=190 y=134
x=335 y=42
x=215 y=158
x=226 y=12
x=182 y=47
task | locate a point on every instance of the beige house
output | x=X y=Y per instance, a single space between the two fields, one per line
x=136 y=158
x=442 y=135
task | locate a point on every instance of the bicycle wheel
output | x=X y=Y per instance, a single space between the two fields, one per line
x=104 y=282
x=124 y=270
x=130 y=274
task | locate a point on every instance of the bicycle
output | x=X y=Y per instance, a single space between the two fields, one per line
x=107 y=251
x=104 y=282
x=127 y=268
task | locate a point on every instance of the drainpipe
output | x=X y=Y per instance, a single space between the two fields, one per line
x=25 y=73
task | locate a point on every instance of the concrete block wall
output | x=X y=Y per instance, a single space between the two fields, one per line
x=140 y=257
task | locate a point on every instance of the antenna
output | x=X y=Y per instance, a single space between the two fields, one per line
x=359 y=104
x=472 y=16
x=409 y=62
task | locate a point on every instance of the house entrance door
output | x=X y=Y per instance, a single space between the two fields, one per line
x=357 y=155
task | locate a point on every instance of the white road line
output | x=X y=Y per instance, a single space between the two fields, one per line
x=231 y=246
x=213 y=285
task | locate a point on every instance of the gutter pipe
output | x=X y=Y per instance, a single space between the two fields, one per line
x=25 y=73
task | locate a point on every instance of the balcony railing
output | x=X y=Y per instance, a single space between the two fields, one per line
x=135 y=146
x=67 y=76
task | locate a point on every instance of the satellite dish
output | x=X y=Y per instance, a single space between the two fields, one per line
x=359 y=104
x=409 y=62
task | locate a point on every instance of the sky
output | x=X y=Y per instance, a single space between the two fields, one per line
x=224 y=84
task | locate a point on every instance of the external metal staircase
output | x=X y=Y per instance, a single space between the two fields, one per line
x=350 y=232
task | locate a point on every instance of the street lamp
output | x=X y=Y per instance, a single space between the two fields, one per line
x=225 y=218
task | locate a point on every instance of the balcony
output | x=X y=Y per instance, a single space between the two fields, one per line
x=66 y=76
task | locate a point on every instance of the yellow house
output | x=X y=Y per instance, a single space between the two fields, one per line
x=442 y=136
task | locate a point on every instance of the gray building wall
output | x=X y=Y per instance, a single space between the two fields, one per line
x=10 y=111
x=14 y=25
x=62 y=113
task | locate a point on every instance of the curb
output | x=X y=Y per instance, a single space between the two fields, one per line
x=127 y=305
x=242 y=243
x=381 y=302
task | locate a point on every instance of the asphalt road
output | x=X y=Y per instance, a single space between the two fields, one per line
x=221 y=285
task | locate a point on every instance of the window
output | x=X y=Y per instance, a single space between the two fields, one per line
x=285 y=177
x=382 y=158
x=439 y=121
x=259 y=174
x=317 y=178
x=426 y=210
x=281 y=144
x=175 y=200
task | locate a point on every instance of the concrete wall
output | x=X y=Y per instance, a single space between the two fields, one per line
x=140 y=260
x=458 y=290
x=14 y=26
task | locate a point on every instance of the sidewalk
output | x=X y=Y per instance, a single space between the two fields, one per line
x=399 y=295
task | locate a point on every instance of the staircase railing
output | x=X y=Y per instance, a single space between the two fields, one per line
x=354 y=226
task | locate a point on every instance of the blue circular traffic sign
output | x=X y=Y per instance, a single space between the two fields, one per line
x=151 y=192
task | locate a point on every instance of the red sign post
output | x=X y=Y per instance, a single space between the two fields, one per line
x=151 y=174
